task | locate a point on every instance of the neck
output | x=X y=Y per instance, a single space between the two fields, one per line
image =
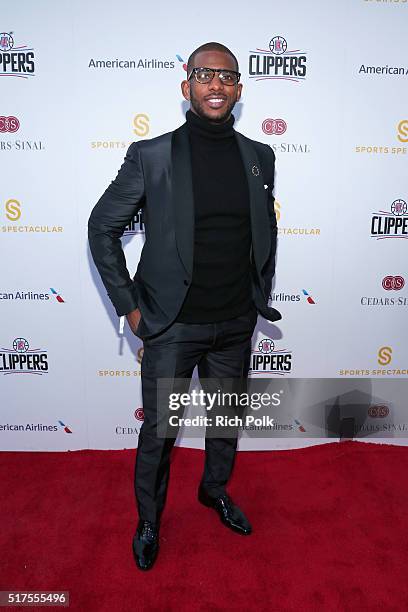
x=210 y=129
x=209 y=120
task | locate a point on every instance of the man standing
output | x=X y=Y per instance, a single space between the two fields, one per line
x=205 y=270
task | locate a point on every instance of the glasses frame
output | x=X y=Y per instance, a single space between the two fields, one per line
x=214 y=70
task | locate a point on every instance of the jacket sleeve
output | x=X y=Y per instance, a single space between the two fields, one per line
x=273 y=228
x=107 y=222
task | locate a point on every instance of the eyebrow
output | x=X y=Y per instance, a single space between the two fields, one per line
x=216 y=69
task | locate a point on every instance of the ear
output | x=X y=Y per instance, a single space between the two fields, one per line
x=185 y=89
x=239 y=91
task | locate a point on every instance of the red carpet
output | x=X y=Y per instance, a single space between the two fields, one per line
x=330 y=531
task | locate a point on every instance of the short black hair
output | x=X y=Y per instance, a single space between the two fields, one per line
x=210 y=46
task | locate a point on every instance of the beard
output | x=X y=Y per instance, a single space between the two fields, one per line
x=201 y=111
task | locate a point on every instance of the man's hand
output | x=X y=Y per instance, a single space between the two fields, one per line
x=133 y=319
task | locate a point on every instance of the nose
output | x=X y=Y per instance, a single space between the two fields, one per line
x=216 y=83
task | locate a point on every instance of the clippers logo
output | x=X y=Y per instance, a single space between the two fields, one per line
x=9 y=124
x=278 y=45
x=269 y=360
x=266 y=346
x=277 y=62
x=15 y=61
x=384 y=355
x=274 y=126
x=65 y=427
x=139 y=414
x=6 y=41
x=22 y=360
x=402 y=130
x=393 y=283
x=136 y=225
x=392 y=224
x=378 y=412
x=399 y=207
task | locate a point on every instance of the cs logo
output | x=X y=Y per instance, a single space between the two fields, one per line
x=274 y=126
x=139 y=414
x=384 y=355
x=13 y=210
x=393 y=283
x=378 y=412
x=141 y=124
x=403 y=130
x=9 y=124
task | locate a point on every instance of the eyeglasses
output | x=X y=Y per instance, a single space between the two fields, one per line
x=206 y=75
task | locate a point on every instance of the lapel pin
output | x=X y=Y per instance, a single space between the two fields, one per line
x=255 y=170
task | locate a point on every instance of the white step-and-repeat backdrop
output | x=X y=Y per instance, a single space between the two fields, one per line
x=325 y=85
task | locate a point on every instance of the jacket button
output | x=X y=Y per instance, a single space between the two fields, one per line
x=186 y=282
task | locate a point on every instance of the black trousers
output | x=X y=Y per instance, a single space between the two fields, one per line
x=219 y=350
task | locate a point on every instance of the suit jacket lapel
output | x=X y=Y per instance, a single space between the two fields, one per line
x=182 y=196
x=183 y=200
x=260 y=222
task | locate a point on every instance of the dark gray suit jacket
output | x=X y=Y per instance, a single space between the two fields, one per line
x=156 y=175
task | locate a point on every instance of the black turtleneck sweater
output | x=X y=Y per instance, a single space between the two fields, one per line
x=221 y=282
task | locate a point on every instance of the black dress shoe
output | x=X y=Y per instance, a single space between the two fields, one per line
x=146 y=544
x=228 y=512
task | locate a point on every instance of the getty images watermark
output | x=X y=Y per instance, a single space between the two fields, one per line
x=222 y=402
x=214 y=406
x=282 y=408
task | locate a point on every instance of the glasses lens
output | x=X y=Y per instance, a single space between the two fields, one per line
x=228 y=78
x=204 y=75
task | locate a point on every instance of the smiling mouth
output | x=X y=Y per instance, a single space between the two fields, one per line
x=215 y=102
